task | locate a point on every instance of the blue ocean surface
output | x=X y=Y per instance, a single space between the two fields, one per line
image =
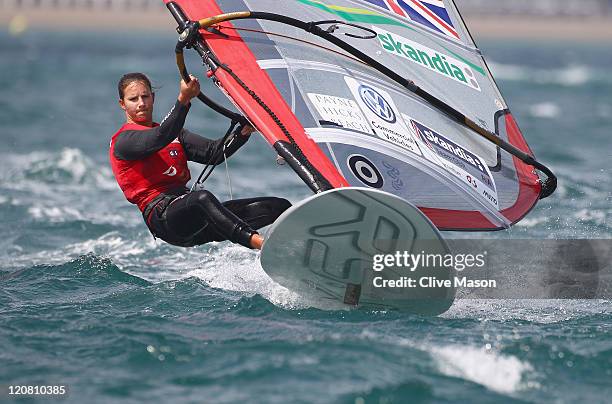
x=89 y=300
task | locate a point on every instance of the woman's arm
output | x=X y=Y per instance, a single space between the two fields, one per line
x=204 y=151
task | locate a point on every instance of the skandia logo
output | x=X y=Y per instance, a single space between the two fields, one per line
x=435 y=140
x=377 y=103
x=422 y=55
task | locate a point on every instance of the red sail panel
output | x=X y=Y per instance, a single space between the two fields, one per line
x=236 y=54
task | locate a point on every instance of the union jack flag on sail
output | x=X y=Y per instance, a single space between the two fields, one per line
x=430 y=13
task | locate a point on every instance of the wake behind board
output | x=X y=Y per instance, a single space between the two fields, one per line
x=325 y=247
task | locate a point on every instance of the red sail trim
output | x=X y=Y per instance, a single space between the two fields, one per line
x=235 y=53
x=446 y=219
x=529 y=182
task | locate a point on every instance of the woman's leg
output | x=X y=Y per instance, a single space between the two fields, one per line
x=258 y=212
x=198 y=217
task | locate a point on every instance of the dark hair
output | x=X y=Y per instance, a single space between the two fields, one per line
x=126 y=79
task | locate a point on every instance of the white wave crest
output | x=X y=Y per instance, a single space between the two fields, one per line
x=569 y=76
x=596 y=216
x=500 y=373
x=67 y=167
x=55 y=214
x=505 y=374
x=532 y=222
x=545 y=110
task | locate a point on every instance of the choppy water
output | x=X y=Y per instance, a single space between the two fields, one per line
x=88 y=299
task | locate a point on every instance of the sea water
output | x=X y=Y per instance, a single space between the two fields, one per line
x=89 y=300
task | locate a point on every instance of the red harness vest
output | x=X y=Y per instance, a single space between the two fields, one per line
x=142 y=180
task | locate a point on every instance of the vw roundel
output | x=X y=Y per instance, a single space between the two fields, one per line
x=377 y=103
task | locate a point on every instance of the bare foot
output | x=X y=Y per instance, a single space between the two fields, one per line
x=256 y=241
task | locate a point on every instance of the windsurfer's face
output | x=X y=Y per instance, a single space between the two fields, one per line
x=137 y=102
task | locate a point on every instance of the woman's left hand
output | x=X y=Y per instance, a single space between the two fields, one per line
x=189 y=90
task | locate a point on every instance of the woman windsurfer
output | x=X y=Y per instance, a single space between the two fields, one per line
x=149 y=161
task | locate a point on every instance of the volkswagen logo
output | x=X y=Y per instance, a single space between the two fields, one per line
x=377 y=103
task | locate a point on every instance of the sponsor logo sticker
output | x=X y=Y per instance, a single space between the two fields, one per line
x=365 y=171
x=377 y=103
x=444 y=65
x=457 y=160
x=342 y=111
x=382 y=115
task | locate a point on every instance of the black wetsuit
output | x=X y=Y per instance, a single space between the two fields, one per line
x=186 y=218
